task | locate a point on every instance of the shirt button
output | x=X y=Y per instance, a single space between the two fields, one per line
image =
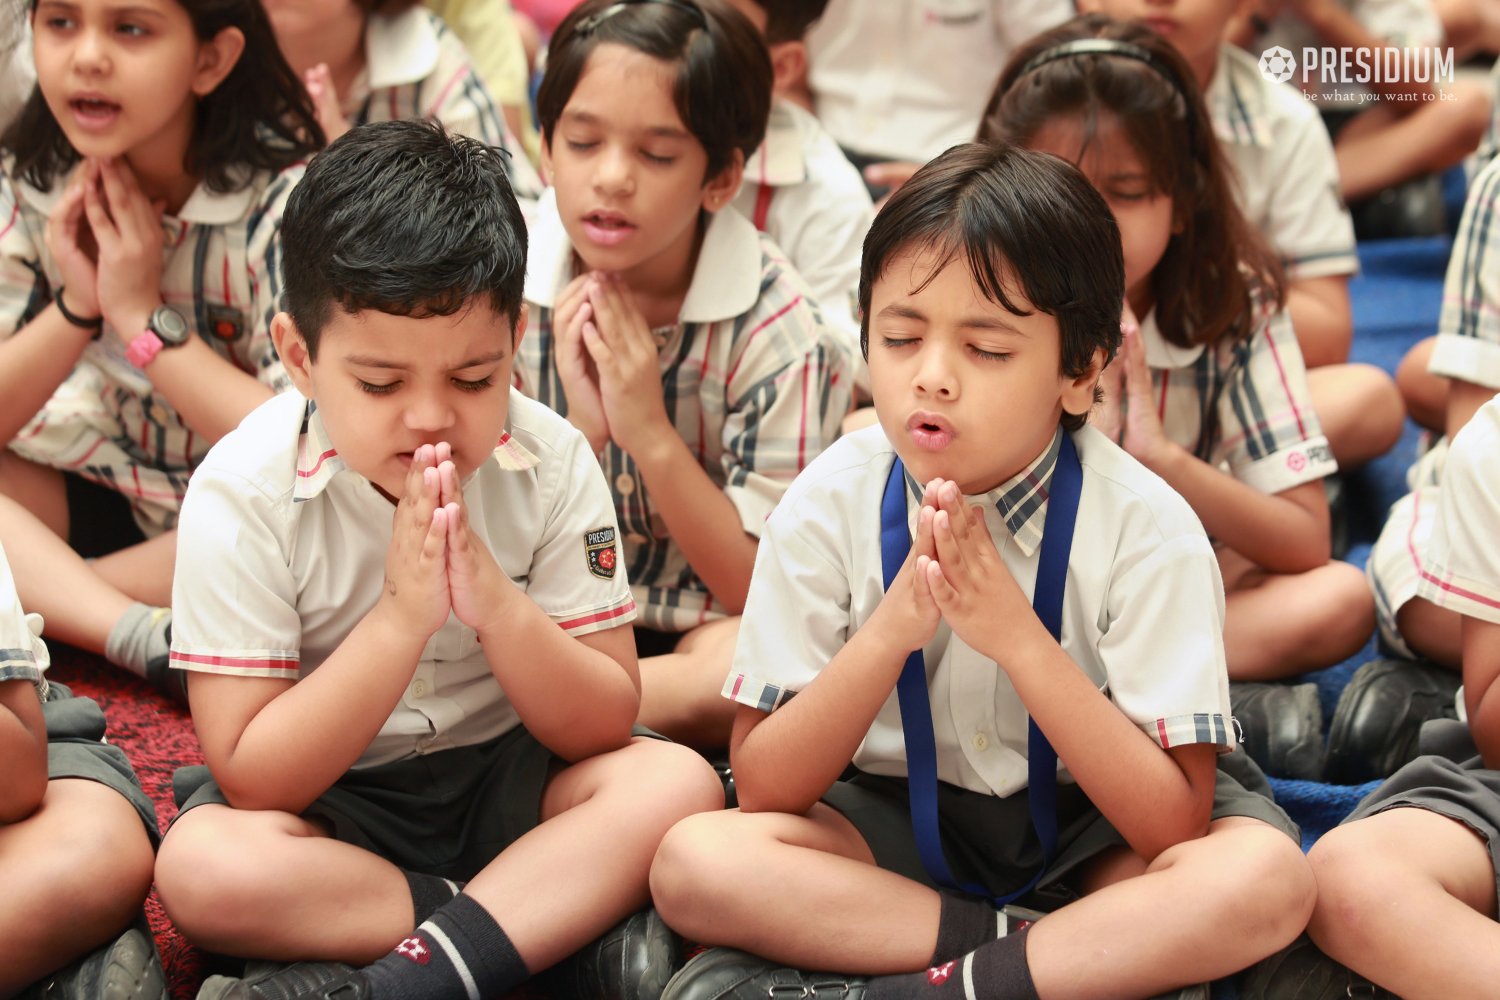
x=419 y=689
x=981 y=742
x=625 y=484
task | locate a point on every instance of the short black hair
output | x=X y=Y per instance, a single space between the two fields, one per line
x=405 y=218
x=724 y=76
x=1017 y=217
x=790 y=20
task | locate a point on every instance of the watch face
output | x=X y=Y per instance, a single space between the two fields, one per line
x=169 y=324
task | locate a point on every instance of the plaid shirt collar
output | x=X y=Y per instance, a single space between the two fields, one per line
x=1021 y=499
x=318 y=462
x=400 y=49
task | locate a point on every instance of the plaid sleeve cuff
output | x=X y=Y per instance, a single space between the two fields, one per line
x=1468 y=358
x=282 y=664
x=1300 y=463
x=763 y=695
x=19 y=665
x=1185 y=730
x=1470 y=598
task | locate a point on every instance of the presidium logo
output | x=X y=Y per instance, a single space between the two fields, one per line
x=1329 y=66
x=1277 y=64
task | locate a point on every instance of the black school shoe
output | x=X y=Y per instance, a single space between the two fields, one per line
x=127 y=968
x=1281 y=727
x=1380 y=715
x=301 y=981
x=1300 y=971
x=631 y=961
x=727 y=974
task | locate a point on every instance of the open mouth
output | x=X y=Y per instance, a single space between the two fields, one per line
x=94 y=109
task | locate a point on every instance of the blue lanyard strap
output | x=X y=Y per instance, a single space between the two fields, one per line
x=911 y=689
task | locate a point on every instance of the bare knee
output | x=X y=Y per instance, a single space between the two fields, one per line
x=698 y=863
x=1274 y=891
x=95 y=870
x=683 y=781
x=1347 y=866
x=1349 y=610
x=211 y=871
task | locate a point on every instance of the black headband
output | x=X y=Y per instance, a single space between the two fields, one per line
x=1101 y=47
x=588 y=24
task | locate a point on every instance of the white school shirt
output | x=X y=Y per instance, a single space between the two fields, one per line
x=1462 y=569
x=754 y=382
x=416 y=67
x=801 y=191
x=1242 y=405
x=1143 y=607
x=906 y=79
x=1288 y=176
x=1468 y=341
x=23 y=655
x=288 y=556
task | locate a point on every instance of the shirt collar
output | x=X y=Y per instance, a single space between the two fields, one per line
x=726 y=280
x=1162 y=353
x=779 y=162
x=203 y=207
x=318 y=462
x=1236 y=99
x=401 y=49
x=1021 y=500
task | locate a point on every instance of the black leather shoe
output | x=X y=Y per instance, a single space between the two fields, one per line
x=1301 y=972
x=1380 y=714
x=1411 y=208
x=726 y=778
x=125 y=969
x=632 y=961
x=301 y=981
x=1281 y=727
x=726 y=974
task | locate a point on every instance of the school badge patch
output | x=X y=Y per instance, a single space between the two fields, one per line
x=599 y=549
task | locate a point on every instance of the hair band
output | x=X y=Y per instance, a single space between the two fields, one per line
x=588 y=24
x=1100 y=47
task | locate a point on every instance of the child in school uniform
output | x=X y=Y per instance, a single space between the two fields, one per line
x=799 y=188
x=76 y=835
x=377 y=60
x=993 y=558
x=677 y=338
x=140 y=203
x=489 y=30
x=1210 y=391
x=406 y=625
x=1407 y=884
x=1380 y=711
x=1286 y=184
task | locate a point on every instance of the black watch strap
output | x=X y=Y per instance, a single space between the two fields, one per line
x=82 y=322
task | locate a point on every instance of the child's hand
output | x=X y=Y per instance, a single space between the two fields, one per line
x=71 y=243
x=1109 y=414
x=970 y=583
x=479 y=589
x=1143 y=436
x=575 y=368
x=621 y=345
x=325 y=99
x=127 y=229
x=416 y=564
x=908 y=615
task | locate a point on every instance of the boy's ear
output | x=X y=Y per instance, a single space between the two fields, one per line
x=216 y=59
x=789 y=64
x=1078 y=393
x=723 y=186
x=291 y=348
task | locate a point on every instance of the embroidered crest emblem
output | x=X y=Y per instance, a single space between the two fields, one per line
x=1296 y=461
x=225 y=322
x=938 y=975
x=599 y=549
x=416 y=949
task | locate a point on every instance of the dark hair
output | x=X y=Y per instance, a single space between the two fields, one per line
x=258 y=118
x=789 y=20
x=1018 y=218
x=405 y=218
x=724 y=78
x=1215 y=259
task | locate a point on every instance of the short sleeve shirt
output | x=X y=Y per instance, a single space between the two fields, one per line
x=415 y=67
x=289 y=555
x=1468 y=342
x=23 y=655
x=1461 y=571
x=754 y=381
x=1284 y=162
x=1143 y=607
x=1242 y=404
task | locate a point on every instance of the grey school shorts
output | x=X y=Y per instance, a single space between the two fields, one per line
x=76 y=749
x=990 y=840
x=1465 y=791
x=448 y=813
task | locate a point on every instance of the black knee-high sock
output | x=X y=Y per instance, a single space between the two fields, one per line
x=428 y=892
x=964 y=923
x=995 y=971
x=459 y=952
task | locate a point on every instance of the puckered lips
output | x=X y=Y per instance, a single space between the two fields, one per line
x=607 y=227
x=930 y=431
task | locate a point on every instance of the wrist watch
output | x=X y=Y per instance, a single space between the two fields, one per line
x=165 y=328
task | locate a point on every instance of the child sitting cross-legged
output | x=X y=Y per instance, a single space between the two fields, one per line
x=1012 y=630
x=405 y=629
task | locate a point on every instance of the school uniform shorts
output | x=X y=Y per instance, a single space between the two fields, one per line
x=990 y=840
x=76 y=749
